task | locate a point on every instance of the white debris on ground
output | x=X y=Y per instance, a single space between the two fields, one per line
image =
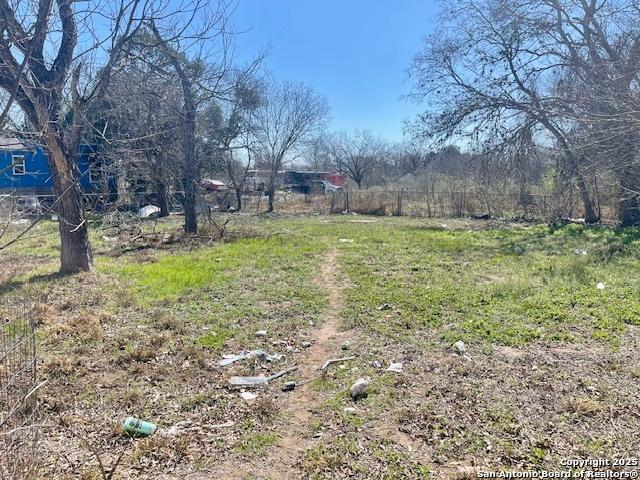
x=395 y=367
x=360 y=389
x=148 y=211
x=248 y=396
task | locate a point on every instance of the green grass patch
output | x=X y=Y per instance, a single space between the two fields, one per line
x=256 y=443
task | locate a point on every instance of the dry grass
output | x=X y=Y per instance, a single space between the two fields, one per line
x=553 y=370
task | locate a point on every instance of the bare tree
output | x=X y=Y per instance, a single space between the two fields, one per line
x=288 y=115
x=189 y=130
x=599 y=43
x=137 y=126
x=227 y=131
x=318 y=153
x=489 y=72
x=355 y=155
x=39 y=64
x=206 y=46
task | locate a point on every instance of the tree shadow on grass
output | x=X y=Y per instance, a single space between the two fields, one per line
x=13 y=286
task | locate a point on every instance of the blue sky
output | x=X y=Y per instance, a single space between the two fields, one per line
x=355 y=52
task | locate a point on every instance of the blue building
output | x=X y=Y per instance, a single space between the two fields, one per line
x=24 y=169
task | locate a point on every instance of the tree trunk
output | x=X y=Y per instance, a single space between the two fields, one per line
x=75 y=251
x=189 y=134
x=271 y=195
x=629 y=205
x=190 y=170
x=162 y=198
x=238 y=199
x=590 y=216
x=574 y=163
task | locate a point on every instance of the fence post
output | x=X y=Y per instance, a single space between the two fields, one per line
x=399 y=203
x=346 y=200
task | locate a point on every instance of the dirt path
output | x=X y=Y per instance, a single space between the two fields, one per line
x=304 y=401
x=300 y=405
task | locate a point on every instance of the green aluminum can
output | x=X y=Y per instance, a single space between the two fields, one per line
x=138 y=428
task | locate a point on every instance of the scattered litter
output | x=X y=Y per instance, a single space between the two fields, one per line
x=444 y=225
x=248 y=381
x=282 y=373
x=580 y=252
x=332 y=361
x=461 y=349
x=346 y=345
x=346 y=240
x=110 y=239
x=257 y=381
x=218 y=259
x=600 y=286
x=261 y=333
x=138 y=428
x=186 y=364
x=359 y=389
x=395 y=367
x=21 y=221
x=248 y=396
x=376 y=364
x=289 y=348
x=306 y=344
x=351 y=410
x=261 y=355
x=288 y=386
x=148 y=211
x=384 y=306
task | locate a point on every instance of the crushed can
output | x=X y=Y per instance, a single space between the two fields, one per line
x=138 y=428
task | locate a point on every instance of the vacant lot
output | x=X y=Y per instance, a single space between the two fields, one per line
x=551 y=370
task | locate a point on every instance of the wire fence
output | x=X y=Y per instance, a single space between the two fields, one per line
x=18 y=403
x=375 y=201
x=440 y=204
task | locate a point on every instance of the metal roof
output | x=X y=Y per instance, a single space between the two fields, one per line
x=12 y=143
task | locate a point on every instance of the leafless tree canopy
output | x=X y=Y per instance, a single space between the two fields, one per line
x=289 y=114
x=562 y=73
x=356 y=155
